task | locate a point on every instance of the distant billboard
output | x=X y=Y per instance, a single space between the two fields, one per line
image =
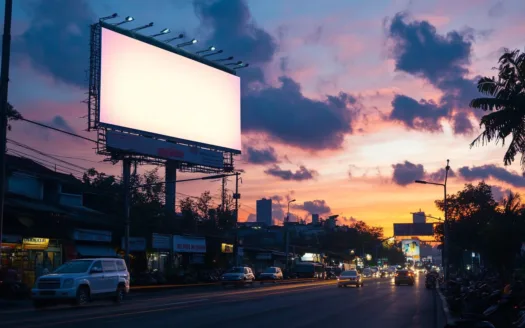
x=411 y=248
x=149 y=88
x=413 y=229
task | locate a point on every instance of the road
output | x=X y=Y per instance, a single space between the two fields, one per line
x=378 y=304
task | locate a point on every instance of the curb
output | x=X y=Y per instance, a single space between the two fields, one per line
x=446 y=310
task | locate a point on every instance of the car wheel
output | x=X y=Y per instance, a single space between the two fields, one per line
x=119 y=295
x=82 y=297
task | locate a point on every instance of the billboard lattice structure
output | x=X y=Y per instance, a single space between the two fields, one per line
x=155 y=102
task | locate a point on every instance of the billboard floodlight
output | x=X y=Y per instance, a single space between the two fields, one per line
x=126 y=20
x=224 y=59
x=115 y=15
x=213 y=53
x=234 y=64
x=241 y=66
x=212 y=48
x=180 y=36
x=164 y=31
x=189 y=43
x=141 y=27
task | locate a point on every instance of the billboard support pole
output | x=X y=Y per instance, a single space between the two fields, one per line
x=236 y=248
x=170 y=179
x=126 y=175
x=446 y=225
x=4 y=86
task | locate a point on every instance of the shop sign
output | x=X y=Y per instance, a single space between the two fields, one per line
x=11 y=239
x=35 y=243
x=136 y=244
x=226 y=248
x=159 y=241
x=92 y=235
x=187 y=244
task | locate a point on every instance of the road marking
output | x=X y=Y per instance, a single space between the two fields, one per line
x=186 y=302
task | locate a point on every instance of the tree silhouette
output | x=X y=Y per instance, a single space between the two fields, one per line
x=506 y=102
x=12 y=115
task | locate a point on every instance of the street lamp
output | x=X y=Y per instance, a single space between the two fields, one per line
x=287 y=234
x=446 y=221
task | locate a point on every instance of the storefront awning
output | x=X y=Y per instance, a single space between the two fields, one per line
x=95 y=251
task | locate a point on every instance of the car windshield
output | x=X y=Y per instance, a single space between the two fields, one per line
x=236 y=270
x=349 y=274
x=270 y=270
x=74 y=267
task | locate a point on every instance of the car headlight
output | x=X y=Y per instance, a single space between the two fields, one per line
x=68 y=283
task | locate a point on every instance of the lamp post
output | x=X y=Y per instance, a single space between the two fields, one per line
x=287 y=232
x=446 y=221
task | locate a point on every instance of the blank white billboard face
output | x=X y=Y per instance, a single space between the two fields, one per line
x=146 y=88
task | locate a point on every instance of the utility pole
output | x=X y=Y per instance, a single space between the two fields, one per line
x=4 y=88
x=223 y=194
x=126 y=175
x=446 y=234
x=236 y=196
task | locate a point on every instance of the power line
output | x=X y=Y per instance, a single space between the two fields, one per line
x=19 y=144
x=54 y=167
x=58 y=130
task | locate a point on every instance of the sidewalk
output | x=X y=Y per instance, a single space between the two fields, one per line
x=444 y=316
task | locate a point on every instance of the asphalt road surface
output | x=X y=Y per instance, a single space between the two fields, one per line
x=378 y=304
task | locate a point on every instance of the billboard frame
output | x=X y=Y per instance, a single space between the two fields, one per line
x=93 y=102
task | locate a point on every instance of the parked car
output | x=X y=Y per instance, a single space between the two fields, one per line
x=405 y=277
x=350 y=277
x=238 y=276
x=272 y=274
x=81 y=281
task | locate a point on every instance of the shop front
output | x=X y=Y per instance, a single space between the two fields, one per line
x=90 y=244
x=189 y=250
x=137 y=252
x=158 y=257
x=30 y=257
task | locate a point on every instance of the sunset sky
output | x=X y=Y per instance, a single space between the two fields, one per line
x=344 y=104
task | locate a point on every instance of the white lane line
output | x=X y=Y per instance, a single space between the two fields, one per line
x=186 y=302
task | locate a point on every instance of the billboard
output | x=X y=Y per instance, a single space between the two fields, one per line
x=411 y=248
x=154 y=90
x=135 y=144
x=413 y=229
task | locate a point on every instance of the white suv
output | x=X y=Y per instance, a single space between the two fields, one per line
x=81 y=281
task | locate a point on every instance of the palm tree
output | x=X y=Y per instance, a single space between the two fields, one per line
x=506 y=102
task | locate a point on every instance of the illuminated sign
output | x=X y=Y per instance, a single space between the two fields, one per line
x=35 y=243
x=226 y=248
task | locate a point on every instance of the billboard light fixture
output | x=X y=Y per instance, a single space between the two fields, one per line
x=180 y=36
x=213 y=53
x=189 y=43
x=126 y=20
x=141 y=27
x=115 y=15
x=224 y=59
x=234 y=64
x=212 y=48
x=164 y=31
x=241 y=66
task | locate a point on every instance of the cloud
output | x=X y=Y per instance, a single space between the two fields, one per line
x=60 y=123
x=442 y=60
x=349 y=221
x=301 y=174
x=251 y=218
x=282 y=112
x=315 y=207
x=232 y=26
x=407 y=172
x=266 y=155
x=285 y=114
x=492 y=171
x=57 y=39
x=499 y=193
